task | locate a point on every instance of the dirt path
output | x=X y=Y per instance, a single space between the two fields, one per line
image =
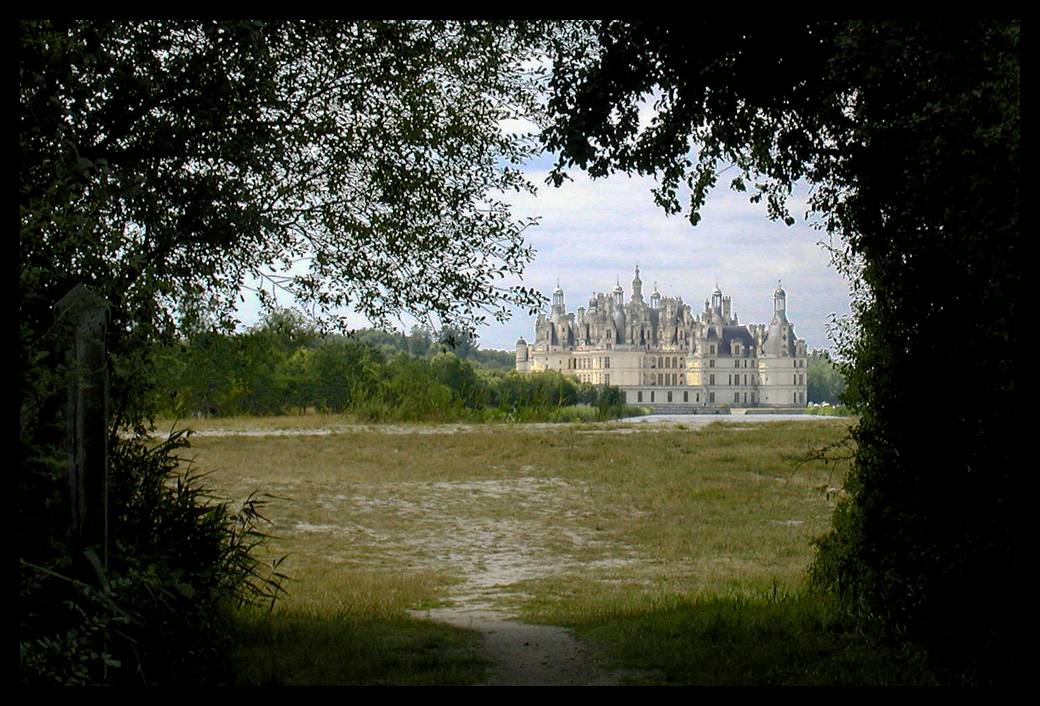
x=498 y=550
x=651 y=423
x=525 y=654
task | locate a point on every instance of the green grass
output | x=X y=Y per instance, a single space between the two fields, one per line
x=663 y=548
x=311 y=648
x=833 y=411
x=787 y=639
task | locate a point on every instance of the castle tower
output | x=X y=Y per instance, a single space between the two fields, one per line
x=522 y=355
x=655 y=298
x=637 y=287
x=558 y=308
x=779 y=304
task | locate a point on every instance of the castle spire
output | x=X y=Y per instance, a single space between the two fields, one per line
x=779 y=303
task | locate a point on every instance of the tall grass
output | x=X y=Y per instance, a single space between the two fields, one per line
x=667 y=551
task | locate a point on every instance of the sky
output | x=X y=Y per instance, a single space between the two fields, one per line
x=592 y=233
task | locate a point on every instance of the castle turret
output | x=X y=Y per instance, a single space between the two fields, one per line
x=558 y=308
x=779 y=340
x=779 y=304
x=522 y=352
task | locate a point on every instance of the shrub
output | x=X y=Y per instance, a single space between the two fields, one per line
x=160 y=612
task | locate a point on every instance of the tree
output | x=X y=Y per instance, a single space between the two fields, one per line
x=169 y=163
x=824 y=380
x=909 y=134
x=169 y=160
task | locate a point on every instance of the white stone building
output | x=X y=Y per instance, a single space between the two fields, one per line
x=664 y=355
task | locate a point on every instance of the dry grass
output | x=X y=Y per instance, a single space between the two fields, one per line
x=725 y=508
x=669 y=549
x=557 y=522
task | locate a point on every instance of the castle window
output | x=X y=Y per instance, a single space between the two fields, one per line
x=639 y=396
x=669 y=396
x=736 y=397
x=711 y=363
x=606 y=362
x=711 y=381
x=686 y=396
x=651 y=395
x=711 y=349
x=736 y=363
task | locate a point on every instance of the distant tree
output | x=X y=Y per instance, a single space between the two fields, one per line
x=452 y=371
x=419 y=339
x=909 y=133
x=491 y=358
x=456 y=340
x=287 y=330
x=824 y=381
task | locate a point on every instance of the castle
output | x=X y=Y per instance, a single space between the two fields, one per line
x=665 y=356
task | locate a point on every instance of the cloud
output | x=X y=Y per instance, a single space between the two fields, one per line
x=594 y=232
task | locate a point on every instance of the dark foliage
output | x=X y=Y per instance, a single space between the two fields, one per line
x=164 y=163
x=909 y=133
x=158 y=613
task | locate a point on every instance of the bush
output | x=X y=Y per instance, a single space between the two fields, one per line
x=160 y=612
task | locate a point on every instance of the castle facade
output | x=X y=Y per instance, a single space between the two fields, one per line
x=665 y=356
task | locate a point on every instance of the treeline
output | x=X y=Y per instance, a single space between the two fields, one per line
x=824 y=379
x=282 y=366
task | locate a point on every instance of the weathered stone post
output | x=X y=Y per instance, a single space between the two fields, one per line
x=82 y=318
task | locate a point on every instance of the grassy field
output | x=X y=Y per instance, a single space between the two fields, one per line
x=679 y=552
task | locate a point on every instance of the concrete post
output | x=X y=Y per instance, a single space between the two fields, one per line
x=82 y=318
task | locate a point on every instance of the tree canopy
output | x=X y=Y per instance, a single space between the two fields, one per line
x=169 y=163
x=909 y=135
x=161 y=160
